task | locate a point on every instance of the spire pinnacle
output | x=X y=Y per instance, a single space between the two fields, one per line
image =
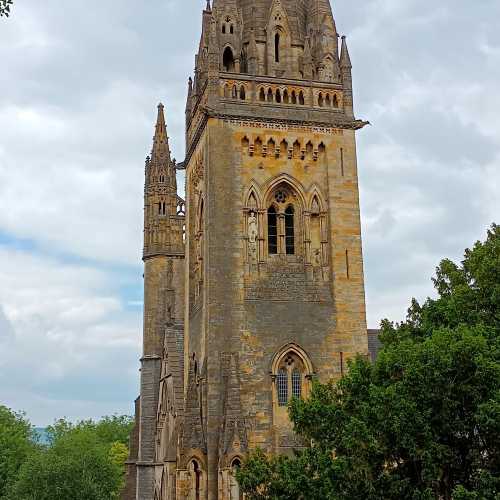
x=345 y=59
x=208 y=8
x=161 y=149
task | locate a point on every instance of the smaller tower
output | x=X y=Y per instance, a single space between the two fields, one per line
x=163 y=288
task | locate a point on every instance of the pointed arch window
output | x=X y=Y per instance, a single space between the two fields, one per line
x=228 y=60
x=277 y=47
x=272 y=230
x=289 y=230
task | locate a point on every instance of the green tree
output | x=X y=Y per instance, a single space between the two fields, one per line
x=5 y=6
x=83 y=462
x=16 y=442
x=423 y=421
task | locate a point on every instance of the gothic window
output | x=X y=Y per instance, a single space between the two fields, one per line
x=291 y=371
x=196 y=475
x=278 y=96
x=235 y=493
x=282 y=381
x=242 y=93
x=301 y=98
x=272 y=230
x=294 y=97
x=257 y=147
x=285 y=97
x=289 y=231
x=328 y=101
x=223 y=29
x=335 y=101
x=269 y=95
x=284 y=147
x=271 y=147
x=262 y=95
x=320 y=100
x=277 y=47
x=231 y=29
x=228 y=60
x=234 y=92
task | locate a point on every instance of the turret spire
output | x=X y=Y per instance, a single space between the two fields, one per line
x=345 y=60
x=161 y=150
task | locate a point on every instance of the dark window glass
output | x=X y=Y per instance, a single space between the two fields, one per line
x=282 y=381
x=296 y=384
x=277 y=47
x=272 y=231
x=289 y=231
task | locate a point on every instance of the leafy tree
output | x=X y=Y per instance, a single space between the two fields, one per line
x=5 y=7
x=16 y=442
x=423 y=421
x=83 y=462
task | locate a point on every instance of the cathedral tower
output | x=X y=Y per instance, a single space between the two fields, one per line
x=272 y=286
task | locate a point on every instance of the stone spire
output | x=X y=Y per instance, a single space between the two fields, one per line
x=346 y=75
x=345 y=59
x=161 y=150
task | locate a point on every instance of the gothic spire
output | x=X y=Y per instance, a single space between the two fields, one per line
x=345 y=59
x=161 y=150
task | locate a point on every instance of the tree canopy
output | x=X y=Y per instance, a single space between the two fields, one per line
x=5 y=6
x=422 y=421
x=84 y=461
x=16 y=442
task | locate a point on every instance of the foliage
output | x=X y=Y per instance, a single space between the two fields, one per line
x=16 y=442
x=5 y=7
x=423 y=421
x=85 y=461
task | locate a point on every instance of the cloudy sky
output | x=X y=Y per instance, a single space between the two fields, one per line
x=79 y=83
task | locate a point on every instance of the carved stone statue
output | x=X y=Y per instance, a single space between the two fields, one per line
x=252 y=229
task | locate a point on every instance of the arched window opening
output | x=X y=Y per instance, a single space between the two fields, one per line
x=296 y=149
x=269 y=95
x=335 y=101
x=242 y=93
x=272 y=231
x=277 y=47
x=228 y=60
x=257 y=145
x=231 y=29
x=284 y=147
x=301 y=98
x=235 y=493
x=321 y=149
x=291 y=371
x=234 y=92
x=223 y=29
x=294 y=97
x=271 y=147
x=278 y=96
x=286 y=99
x=309 y=150
x=328 y=101
x=282 y=385
x=262 y=95
x=289 y=231
x=296 y=383
x=245 y=143
x=196 y=473
x=320 y=100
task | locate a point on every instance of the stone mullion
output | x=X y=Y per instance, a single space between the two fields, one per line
x=324 y=237
x=307 y=237
x=261 y=213
x=281 y=234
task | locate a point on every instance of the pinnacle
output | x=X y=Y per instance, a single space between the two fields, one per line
x=345 y=59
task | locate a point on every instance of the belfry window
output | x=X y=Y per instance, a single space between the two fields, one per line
x=277 y=47
x=228 y=60
x=289 y=231
x=272 y=231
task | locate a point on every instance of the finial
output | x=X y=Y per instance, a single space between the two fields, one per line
x=160 y=106
x=209 y=8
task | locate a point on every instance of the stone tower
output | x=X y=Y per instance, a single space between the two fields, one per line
x=263 y=291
